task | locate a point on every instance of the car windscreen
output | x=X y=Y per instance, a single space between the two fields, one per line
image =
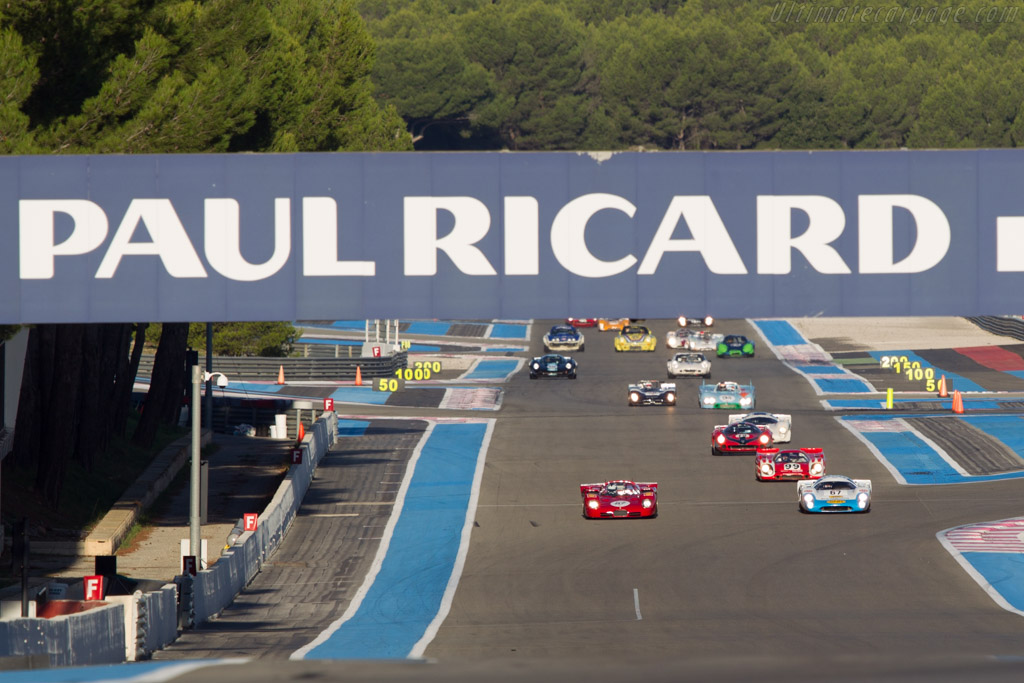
x=835 y=486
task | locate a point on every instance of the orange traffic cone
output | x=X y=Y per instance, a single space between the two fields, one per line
x=943 y=390
x=359 y=376
x=958 y=402
x=280 y=375
x=302 y=431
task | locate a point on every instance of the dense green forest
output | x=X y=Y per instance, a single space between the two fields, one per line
x=700 y=74
x=197 y=76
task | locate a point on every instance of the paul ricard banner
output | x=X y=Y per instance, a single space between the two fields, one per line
x=234 y=237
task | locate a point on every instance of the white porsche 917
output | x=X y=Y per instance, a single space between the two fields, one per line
x=688 y=364
x=834 y=493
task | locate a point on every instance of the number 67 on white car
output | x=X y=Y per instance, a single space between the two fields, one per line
x=834 y=493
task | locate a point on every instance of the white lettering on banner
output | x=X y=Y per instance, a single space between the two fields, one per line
x=710 y=237
x=1010 y=244
x=775 y=241
x=320 y=241
x=522 y=236
x=222 y=241
x=569 y=243
x=472 y=221
x=875 y=233
x=169 y=240
x=36 y=233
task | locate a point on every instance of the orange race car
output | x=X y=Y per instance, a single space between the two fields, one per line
x=605 y=324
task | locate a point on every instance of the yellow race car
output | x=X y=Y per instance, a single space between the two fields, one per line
x=635 y=338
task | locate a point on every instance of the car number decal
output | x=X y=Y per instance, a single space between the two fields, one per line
x=619 y=503
x=791 y=466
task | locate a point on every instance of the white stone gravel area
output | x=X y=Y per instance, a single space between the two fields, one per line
x=883 y=334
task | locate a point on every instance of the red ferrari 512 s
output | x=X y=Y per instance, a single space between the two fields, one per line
x=619 y=498
x=740 y=437
x=771 y=464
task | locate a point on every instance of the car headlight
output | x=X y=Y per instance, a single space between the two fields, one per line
x=862 y=500
x=670 y=397
x=568 y=366
x=783 y=429
x=709 y=321
x=720 y=439
x=634 y=397
x=681 y=320
x=709 y=400
x=817 y=467
x=592 y=503
x=746 y=401
x=535 y=366
x=808 y=500
x=647 y=503
x=764 y=438
x=766 y=469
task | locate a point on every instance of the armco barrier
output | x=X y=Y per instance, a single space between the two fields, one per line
x=242 y=368
x=100 y=636
x=1006 y=325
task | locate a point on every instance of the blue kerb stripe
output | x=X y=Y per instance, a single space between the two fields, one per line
x=492 y=369
x=958 y=381
x=349 y=324
x=1009 y=429
x=407 y=592
x=507 y=331
x=1004 y=571
x=780 y=332
x=254 y=388
x=504 y=350
x=360 y=395
x=1016 y=373
x=847 y=385
x=352 y=427
x=433 y=328
x=83 y=674
x=916 y=460
x=333 y=342
x=821 y=369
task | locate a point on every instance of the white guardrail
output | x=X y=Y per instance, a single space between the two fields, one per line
x=131 y=627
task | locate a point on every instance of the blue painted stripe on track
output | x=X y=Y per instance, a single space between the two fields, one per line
x=492 y=369
x=1016 y=373
x=507 y=331
x=1004 y=572
x=433 y=328
x=821 y=369
x=406 y=595
x=349 y=324
x=958 y=381
x=512 y=349
x=780 y=332
x=847 y=385
x=414 y=347
x=128 y=671
x=352 y=427
x=917 y=461
x=360 y=395
x=1008 y=429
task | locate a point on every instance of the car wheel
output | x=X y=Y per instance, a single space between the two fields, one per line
x=714 y=451
x=582 y=347
x=533 y=376
x=572 y=376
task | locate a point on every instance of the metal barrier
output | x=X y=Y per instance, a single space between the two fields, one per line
x=261 y=369
x=1005 y=325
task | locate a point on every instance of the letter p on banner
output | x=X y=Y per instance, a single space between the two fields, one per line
x=93 y=587
x=249 y=521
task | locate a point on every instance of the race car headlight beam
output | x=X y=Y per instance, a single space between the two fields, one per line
x=647 y=503
x=634 y=397
x=808 y=500
x=670 y=398
x=709 y=400
x=862 y=500
x=746 y=401
x=592 y=504
x=817 y=467
x=766 y=469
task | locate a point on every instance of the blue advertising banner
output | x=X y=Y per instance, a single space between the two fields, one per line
x=234 y=237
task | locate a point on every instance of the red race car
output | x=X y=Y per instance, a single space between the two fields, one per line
x=771 y=464
x=740 y=437
x=619 y=498
x=581 y=322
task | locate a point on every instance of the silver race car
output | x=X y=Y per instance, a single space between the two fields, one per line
x=678 y=339
x=689 y=364
x=780 y=425
x=702 y=340
x=834 y=493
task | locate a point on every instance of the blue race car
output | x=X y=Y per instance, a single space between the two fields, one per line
x=834 y=493
x=563 y=337
x=553 y=365
x=735 y=345
x=726 y=395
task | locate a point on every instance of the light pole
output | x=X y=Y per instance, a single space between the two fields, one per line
x=198 y=377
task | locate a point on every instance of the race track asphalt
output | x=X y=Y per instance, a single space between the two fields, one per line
x=729 y=582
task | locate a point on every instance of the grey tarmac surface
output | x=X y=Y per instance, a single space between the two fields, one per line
x=730 y=582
